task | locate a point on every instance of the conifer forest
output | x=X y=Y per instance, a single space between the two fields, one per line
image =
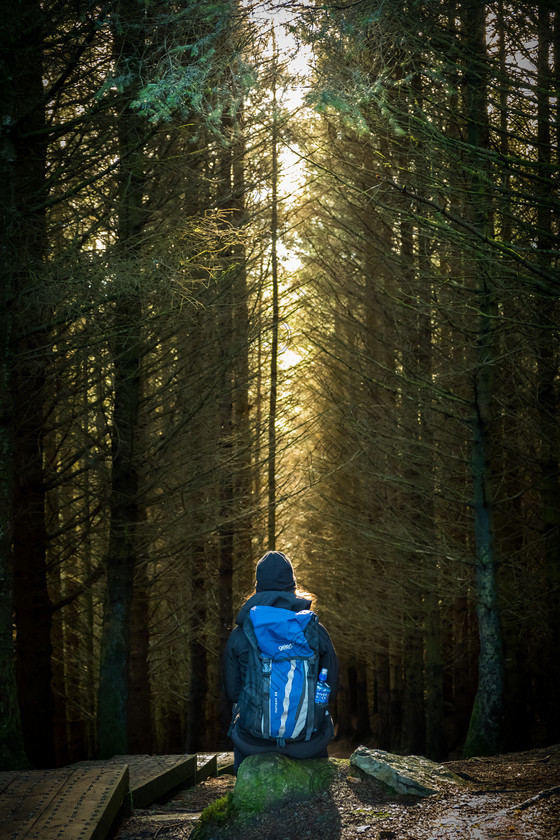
x=279 y=275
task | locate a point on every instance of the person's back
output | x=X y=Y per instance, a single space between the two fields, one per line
x=273 y=603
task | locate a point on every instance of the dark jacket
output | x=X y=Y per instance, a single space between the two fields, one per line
x=235 y=664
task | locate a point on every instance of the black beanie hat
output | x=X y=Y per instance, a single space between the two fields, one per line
x=275 y=572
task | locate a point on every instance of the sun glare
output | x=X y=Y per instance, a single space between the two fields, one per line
x=295 y=60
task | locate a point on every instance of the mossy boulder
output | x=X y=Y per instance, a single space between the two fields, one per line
x=270 y=780
x=264 y=783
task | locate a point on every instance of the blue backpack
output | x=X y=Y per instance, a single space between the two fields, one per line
x=277 y=701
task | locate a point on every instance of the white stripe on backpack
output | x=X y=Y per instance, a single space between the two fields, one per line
x=286 y=703
x=301 y=721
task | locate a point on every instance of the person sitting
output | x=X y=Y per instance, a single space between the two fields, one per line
x=275 y=587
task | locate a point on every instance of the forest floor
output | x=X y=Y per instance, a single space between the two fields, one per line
x=514 y=796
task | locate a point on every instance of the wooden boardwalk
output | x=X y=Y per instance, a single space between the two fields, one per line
x=83 y=801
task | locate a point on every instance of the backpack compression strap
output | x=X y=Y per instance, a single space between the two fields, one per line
x=266 y=672
x=311 y=682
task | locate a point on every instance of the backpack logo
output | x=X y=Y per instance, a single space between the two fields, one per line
x=278 y=698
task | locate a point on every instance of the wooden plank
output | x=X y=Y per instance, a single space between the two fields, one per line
x=225 y=763
x=6 y=779
x=86 y=807
x=66 y=804
x=226 y=770
x=24 y=798
x=151 y=776
x=207 y=765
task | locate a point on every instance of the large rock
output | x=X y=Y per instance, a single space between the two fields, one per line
x=411 y=774
x=264 y=782
x=270 y=780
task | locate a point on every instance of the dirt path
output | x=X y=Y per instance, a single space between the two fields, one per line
x=514 y=796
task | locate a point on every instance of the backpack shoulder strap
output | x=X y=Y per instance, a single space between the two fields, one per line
x=312 y=636
x=252 y=711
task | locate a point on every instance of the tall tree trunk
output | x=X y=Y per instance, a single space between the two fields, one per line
x=547 y=367
x=413 y=735
x=112 y=724
x=243 y=478
x=226 y=366
x=396 y=692
x=382 y=724
x=510 y=518
x=198 y=655
x=363 y=724
x=484 y=733
x=139 y=712
x=12 y=754
x=27 y=341
x=345 y=727
x=436 y=746
x=413 y=738
x=275 y=317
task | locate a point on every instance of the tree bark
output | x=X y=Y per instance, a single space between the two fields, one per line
x=275 y=316
x=436 y=746
x=12 y=754
x=25 y=342
x=139 y=713
x=198 y=655
x=243 y=478
x=483 y=737
x=413 y=736
x=547 y=367
x=112 y=723
x=382 y=724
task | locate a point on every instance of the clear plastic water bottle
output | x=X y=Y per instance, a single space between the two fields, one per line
x=323 y=690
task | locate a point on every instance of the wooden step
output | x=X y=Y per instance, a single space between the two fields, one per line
x=83 y=801
x=225 y=763
x=67 y=804
x=213 y=764
x=152 y=776
x=207 y=765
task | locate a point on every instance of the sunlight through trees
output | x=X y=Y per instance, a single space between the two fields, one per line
x=279 y=274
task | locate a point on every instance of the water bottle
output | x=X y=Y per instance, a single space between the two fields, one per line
x=323 y=690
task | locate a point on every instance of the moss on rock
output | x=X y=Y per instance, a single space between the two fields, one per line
x=264 y=782
x=214 y=818
x=270 y=780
